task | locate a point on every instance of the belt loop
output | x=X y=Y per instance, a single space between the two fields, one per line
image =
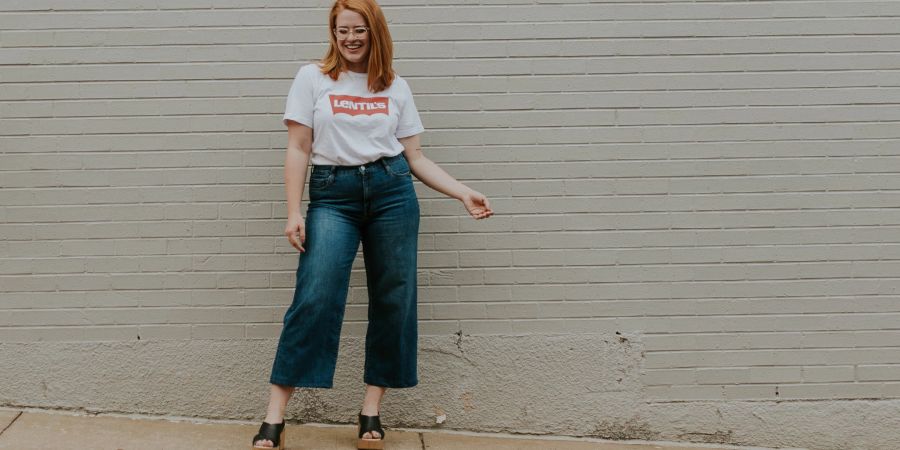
x=333 y=169
x=383 y=163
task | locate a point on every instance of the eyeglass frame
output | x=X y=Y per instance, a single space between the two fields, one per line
x=351 y=31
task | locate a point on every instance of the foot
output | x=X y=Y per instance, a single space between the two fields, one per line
x=266 y=442
x=371 y=411
x=371 y=435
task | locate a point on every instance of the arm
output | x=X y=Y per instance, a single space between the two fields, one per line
x=436 y=178
x=296 y=161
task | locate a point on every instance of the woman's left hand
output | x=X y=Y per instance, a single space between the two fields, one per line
x=477 y=204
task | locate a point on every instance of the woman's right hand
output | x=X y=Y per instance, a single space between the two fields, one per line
x=296 y=231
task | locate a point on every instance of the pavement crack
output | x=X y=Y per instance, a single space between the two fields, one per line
x=11 y=422
x=422 y=440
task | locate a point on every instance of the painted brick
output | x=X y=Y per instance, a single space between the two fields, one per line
x=715 y=177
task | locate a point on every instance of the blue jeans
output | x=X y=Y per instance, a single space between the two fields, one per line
x=375 y=203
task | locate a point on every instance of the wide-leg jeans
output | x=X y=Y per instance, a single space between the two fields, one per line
x=374 y=203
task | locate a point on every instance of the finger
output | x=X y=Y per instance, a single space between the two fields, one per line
x=299 y=237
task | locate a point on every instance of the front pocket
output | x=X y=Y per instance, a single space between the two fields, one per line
x=320 y=180
x=399 y=168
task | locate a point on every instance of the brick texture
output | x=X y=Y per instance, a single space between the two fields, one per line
x=718 y=177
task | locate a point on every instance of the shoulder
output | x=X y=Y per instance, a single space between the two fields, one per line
x=399 y=79
x=400 y=84
x=312 y=69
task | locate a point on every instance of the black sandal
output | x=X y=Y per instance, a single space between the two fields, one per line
x=368 y=424
x=271 y=431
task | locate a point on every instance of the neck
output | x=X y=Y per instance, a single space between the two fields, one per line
x=359 y=67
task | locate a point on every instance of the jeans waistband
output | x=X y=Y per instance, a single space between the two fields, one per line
x=383 y=161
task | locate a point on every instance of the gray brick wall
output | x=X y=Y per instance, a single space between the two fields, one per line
x=717 y=177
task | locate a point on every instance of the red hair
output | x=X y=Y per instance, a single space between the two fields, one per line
x=381 y=47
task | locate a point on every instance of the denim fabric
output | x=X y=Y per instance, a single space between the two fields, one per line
x=374 y=203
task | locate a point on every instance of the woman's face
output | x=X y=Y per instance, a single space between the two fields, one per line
x=352 y=35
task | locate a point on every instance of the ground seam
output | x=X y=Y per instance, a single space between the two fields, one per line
x=11 y=422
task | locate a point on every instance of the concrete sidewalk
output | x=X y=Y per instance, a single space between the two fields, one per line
x=38 y=429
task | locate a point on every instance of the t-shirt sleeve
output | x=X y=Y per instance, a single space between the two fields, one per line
x=409 y=123
x=301 y=98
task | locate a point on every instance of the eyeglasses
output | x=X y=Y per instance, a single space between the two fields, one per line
x=344 y=32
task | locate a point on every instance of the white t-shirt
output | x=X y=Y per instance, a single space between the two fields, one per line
x=351 y=126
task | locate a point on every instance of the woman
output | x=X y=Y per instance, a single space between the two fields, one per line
x=363 y=152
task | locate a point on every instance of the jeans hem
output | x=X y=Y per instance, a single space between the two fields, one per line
x=381 y=383
x=302 y=384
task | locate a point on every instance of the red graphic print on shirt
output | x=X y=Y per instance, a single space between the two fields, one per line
x=355 y=106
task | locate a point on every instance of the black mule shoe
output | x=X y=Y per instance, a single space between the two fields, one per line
x=271 y=431
x=367 y=424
